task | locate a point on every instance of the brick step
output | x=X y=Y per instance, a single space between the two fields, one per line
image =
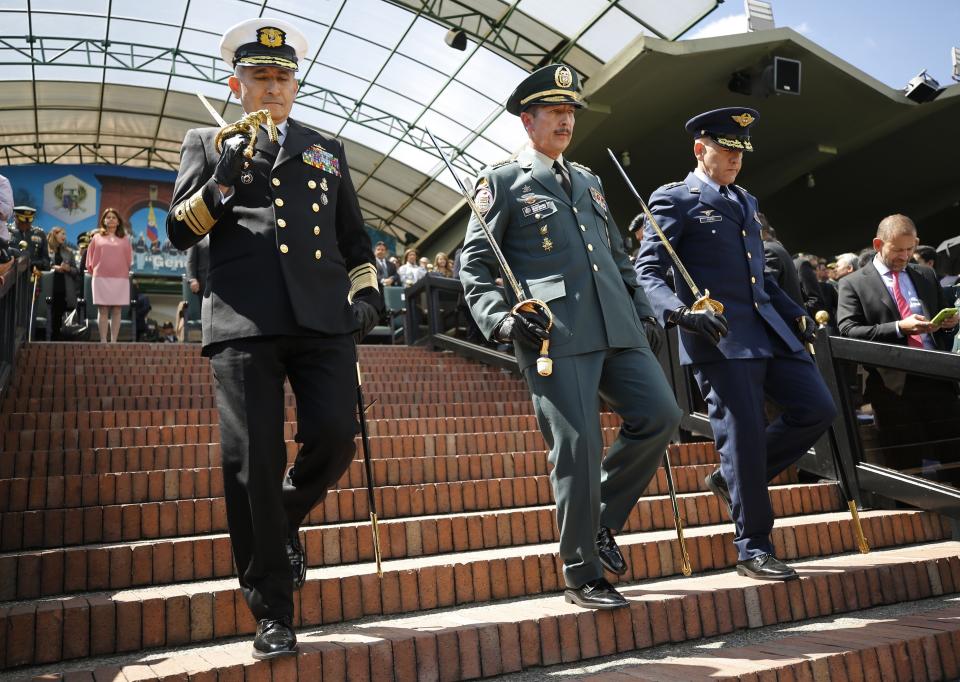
x=407 y=370
x=67 y=492
x=168 y=399
x=139 y=385
x=468 y=641
x=149 y=389
x=380 y=446
x=200 y=432
x=524 y=524
x=92 y=352
x=340 y=506
x=52 y=421
x=25 y=464
x=31 y=575
x=922 y=646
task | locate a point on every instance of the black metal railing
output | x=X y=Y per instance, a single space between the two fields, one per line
x=437 y=317
x=16 y=290
x=843 y=362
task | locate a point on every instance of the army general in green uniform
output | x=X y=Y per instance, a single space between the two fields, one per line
x=553 y=224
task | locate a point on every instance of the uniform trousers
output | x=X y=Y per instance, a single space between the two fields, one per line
x=753 y=452
x=592 y=490
x=265 y=504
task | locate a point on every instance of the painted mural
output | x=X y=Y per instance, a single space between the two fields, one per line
x=74 y=196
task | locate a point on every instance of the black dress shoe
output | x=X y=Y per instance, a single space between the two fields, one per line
x=610 y=555
x=596 y=594
x=275 y=637
x=718 y=487
x=766 y=567
x=298 y=560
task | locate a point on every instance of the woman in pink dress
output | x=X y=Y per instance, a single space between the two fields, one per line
x=109 y=258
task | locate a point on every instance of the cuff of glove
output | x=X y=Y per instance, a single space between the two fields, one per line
x=673 y=319
x=371 y=297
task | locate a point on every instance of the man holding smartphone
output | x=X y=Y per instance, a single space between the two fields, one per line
x=894 y=300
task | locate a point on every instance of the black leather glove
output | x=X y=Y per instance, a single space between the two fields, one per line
x=231 y=161
x=528 y=327
x=366 y=316
x=654 y=334
x=367 y=308
x=806 y=332
x=706 y=323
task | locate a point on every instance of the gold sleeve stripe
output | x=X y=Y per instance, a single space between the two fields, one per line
x=361 y=277
x=194 y=212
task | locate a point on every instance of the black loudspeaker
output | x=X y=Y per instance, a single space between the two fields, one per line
x=786 y=76
x=456 y=38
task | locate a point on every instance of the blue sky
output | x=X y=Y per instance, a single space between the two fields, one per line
x=889 y=40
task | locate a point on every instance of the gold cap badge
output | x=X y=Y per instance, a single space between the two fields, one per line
x=563 y=77
x=268 y=36
x=743 y=119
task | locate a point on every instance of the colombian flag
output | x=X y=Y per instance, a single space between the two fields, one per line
x=152 y=233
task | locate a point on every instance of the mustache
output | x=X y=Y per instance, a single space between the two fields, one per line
x=563 y=130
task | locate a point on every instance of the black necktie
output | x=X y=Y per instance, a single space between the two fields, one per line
x=562 y=178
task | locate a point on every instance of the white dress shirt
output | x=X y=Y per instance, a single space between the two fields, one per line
x=909 y=294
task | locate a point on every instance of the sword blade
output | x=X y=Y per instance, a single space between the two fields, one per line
x=494 y=246
x=656 y=228
x=213 y=112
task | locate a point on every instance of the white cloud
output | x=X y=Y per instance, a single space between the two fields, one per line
x=735 y=23
x=803 y=28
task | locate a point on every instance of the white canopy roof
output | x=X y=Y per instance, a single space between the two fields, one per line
x=113 y=81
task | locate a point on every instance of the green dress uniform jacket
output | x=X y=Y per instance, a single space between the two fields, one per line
x=289 y=246
x=565 y=252
x=569 y=254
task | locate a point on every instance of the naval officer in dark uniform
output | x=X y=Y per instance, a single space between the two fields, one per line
x=553 y=224
x=291 y=281
x=35 y=237
x=754 y=348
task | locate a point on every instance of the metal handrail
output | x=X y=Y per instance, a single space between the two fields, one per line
x=15 y=293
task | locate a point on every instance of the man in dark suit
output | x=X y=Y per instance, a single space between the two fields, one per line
x=713 y=226
x=386 y=270
x=778 y=261
x=291 y=281
x=892 y=300
x=551 y=219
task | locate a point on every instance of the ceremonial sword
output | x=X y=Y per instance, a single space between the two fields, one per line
x=822 y=318
x=703 y=300
x=248 y=125
x=544 y=363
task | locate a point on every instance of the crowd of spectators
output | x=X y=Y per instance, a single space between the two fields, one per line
x=413 y=267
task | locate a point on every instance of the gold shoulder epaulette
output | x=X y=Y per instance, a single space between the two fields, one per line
x=580 y=165
x=671 y=185
x=504 y=162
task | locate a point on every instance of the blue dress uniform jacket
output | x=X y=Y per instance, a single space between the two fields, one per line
x=760 y=358
x=288 y=246
x=723 y=251
x=567 y=253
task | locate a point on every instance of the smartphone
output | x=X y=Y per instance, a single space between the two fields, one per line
x=943 y=315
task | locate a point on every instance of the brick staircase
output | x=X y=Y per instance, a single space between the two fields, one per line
x=115 y=563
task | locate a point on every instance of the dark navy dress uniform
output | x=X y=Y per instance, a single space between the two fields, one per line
x=288 y=252
x=566 y=250
x=35 y=238
x=717 y=237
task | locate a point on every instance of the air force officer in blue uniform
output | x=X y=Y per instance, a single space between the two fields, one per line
x=753 y=349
